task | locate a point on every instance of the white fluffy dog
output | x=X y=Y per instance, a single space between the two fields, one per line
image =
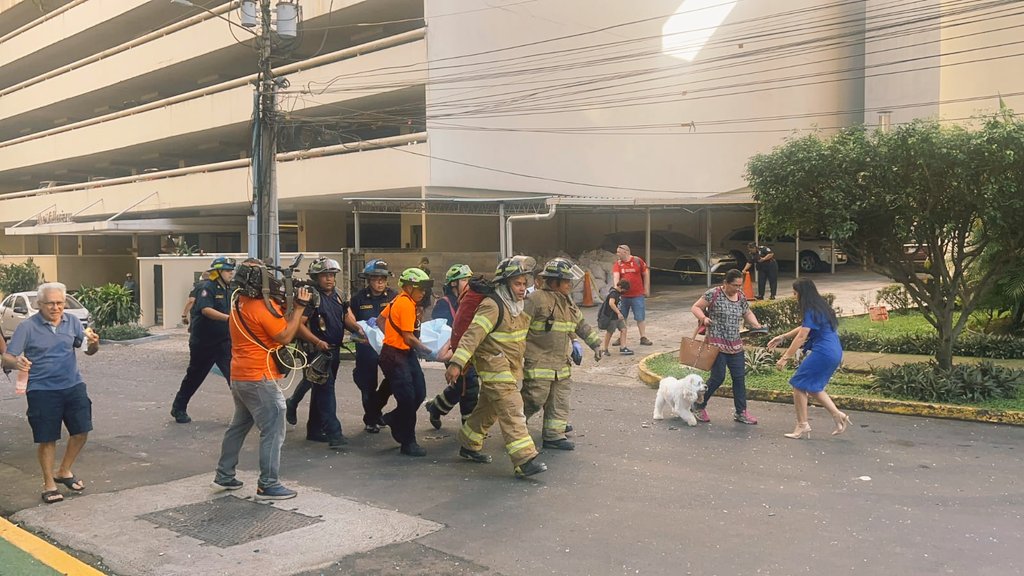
x=677 y=396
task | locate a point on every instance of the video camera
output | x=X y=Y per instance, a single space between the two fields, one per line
x=256 y=279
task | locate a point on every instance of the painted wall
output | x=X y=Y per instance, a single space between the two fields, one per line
x=533 y=110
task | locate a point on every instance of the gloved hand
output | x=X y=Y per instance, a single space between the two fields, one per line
x=577 y=353
x=372 y=322
x=597 y=354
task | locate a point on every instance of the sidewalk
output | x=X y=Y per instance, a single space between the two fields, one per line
x=865 y=361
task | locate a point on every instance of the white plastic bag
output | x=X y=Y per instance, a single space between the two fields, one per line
x=435 y=334
x=373 y=335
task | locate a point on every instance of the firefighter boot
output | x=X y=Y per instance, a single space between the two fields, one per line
x=475 y=456
x=560 y=444
x=435 y=414
x=529 y=468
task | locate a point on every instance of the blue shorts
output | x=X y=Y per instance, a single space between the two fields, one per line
x=636 y=304
x=48 y=409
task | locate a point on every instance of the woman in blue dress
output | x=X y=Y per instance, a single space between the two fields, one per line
x=817 y=335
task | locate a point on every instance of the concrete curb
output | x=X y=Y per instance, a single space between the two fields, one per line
x=885 y=406
x=150 y=338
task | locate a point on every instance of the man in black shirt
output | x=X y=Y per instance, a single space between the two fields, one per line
x=767 y=268
x=364 y=305
x=210 y=341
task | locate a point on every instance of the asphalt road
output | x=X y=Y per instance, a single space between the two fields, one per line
x=895 y=495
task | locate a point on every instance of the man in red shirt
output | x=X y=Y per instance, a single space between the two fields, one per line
x=634 y=270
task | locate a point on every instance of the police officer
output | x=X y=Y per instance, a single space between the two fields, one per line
x=210 y=342
x=555 y=320
x=366 y=305
x=767 y=268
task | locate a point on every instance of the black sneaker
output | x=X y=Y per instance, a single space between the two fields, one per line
x=413 y=449
x=560 y=444
x=278 y=492
x=626 y=351
x=530 y=468
x=318 y=437
x=180 y=416
x=337 y=442
x=435 y=415
x=290 y=414
x=229 y=484
x=475 y=456
x=372 y=429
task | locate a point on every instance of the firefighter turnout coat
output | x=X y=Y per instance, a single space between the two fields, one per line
x=555 y=318
x=495 y=351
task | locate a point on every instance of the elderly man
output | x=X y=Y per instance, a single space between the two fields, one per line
x=44 y=346
x=634 y=270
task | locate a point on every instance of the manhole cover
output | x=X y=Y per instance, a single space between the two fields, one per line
x=229 y=521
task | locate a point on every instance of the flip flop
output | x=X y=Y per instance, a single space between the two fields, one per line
x=70 y=483
x=52 y=497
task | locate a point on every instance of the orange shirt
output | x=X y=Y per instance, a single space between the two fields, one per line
x=249 y=361
x=401 y=311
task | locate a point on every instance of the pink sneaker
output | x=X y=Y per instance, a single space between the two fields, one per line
x=744 y=417
x=701 y=414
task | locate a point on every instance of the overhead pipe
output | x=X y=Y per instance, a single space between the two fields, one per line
x=524 y=218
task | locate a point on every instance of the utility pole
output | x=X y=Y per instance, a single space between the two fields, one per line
x=265 y=162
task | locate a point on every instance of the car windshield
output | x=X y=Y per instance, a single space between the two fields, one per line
x=71 y=305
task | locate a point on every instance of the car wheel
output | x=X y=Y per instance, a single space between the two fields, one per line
x=691 y=272
x=809 y=262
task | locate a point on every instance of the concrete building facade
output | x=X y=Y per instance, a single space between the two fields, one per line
x=127 y=123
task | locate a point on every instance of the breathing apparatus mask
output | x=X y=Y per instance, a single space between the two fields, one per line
x=256 y=279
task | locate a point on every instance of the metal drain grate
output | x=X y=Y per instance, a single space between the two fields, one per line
x=229 y=521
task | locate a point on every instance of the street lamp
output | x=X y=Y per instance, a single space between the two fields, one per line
x=264 y=236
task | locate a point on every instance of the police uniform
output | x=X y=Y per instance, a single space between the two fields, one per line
x=326 y=322
x=209 y=342
x=364 y=307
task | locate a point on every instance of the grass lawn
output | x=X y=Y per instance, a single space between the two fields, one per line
x=910 y=322
x=843 y=383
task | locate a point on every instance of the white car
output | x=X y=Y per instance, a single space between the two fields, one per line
x=815 y=253
x=672 y=250
x=18 y=306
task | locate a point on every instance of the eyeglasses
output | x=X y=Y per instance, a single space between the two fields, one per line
x=60 y=303
x=736 y=284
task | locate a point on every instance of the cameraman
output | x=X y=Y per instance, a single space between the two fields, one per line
x=325 y=330
x=256 y=332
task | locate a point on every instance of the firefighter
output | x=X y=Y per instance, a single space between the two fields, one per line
x=209 y=341
x=466 y=389
x=495 y=342
x=549 y=346
x=366 y=305
x=400 y=322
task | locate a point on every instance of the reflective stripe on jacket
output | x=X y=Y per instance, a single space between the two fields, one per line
x=555 y=318
x=498 y=354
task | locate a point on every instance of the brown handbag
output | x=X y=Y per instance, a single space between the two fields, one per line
x=697 y=354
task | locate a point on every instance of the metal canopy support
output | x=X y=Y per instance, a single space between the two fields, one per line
x=502 y=240
x=647 y=239
x=115 y=216
x=707 y=245
x=355 y=216
x=54 y=205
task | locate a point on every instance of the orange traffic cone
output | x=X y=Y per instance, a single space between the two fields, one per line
x=748 y=286
x=588 y=290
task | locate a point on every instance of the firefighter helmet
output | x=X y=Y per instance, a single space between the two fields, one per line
x=457 y=272
x=375 y=267
x=321 y=265
x=417 y=278
x=509 y=268
x=222 y=263
x=563 y=269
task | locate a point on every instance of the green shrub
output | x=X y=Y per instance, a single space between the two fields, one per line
x=963 y=384
x=109 y=305
x=781 y=315
x=759 y=360
x=22 y=277
x=999 y=346
x=124 y=332
x=895 y=297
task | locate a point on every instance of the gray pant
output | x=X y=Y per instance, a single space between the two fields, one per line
x=260 y=403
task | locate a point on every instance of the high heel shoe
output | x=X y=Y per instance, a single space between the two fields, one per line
x=800 y=431
x=841 y=423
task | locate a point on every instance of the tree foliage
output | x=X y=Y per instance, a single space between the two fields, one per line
x=957 y=190
x=22 y=277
